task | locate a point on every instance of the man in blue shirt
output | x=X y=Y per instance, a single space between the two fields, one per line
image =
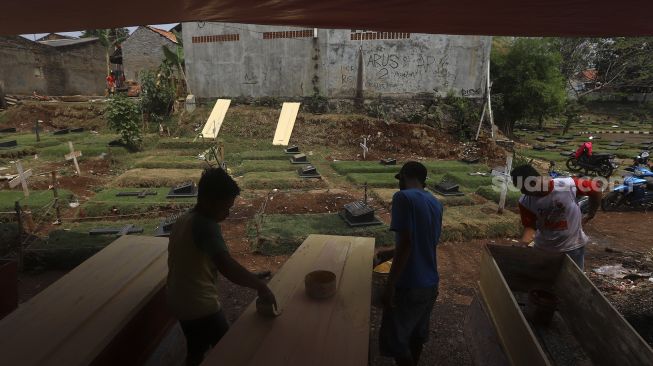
x=413 y=281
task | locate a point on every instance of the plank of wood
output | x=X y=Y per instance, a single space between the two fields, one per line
x=214 y=123
x=71 y=321
x=606 y=336
x=330 y=331
x=481 y=335
x=249 y=331
x=286 y=123
x=517 y=338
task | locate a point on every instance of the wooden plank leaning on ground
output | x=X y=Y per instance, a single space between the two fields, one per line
x=605 y=335
x=73 y=320
x=334 y=331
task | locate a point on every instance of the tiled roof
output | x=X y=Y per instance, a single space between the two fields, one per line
x=169 y=35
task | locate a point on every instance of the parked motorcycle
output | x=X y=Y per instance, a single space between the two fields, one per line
x=597 y=163
x=636 y=192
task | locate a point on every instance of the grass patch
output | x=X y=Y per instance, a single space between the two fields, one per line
x=346 y=167
x=283 y=234
x=278 y=180
x=264 y=166
x=386 y=194
x=258 y=155
x=36 y=200
x=170 y=162
x=184 y=143
x=446 y=166
x=479 y=221
x=466 y=180
x=490 y=193
x=106 y=202
x=70 y=245
x=156 y=177
x=374 y=180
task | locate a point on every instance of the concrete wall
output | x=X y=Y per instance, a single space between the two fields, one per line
x=225 y=59
x=27 y=66
x=142 y=51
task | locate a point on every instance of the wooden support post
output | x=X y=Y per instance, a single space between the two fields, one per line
x=73 y=155
x=504 y=184
x=36 y=130
x=19 y=220
x=55 y=192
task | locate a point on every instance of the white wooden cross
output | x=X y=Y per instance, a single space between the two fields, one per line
x=21 y=178
x=73 y=155
x=365 y=148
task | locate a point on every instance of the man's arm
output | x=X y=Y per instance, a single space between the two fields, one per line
x=528 y=220
x=383 y=255
x=399 y=261
x=237 y=274
x=592 y=189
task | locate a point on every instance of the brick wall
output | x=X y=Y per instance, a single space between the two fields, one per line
x=142 y=51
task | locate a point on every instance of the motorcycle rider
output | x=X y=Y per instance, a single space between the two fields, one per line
x=550 y=214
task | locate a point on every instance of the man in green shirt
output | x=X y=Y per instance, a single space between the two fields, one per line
x=196 y=251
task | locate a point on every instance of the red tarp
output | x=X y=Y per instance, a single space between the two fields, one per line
x=482 y=17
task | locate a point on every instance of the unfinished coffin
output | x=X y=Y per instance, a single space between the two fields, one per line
x=586 y=328
x=109 y=310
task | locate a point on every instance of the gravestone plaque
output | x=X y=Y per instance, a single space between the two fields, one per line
x=8 y=130
x=539 y=147
x=186 y=189
x=292 y=150
x=308 y=171
x=471 y=160
x=165 y=226
x=446 y=188
x=77 y=130
x=567 y=153
x=140 y=194
x=359 y=213
x=389 y=161
x=8 y=144
x=299 y=159
x=540 y=138
x=63 y=131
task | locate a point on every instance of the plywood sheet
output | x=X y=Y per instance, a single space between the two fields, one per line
x=309 y=332
x=286 y=123
x=73 y=320
x=213 y=124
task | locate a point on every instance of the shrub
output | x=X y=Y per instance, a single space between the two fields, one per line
x=124 y=116
x=157 y=96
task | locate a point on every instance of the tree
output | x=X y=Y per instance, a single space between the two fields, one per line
x=124 y=115
x=157 y=94
x=109 y=38
x=526 y=79
x=175 y=59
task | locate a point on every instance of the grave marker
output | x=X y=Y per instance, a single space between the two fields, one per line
x=77 y=130
x=504 y=184
x=165 y=226
x=365 y=148
x=389 y=161
x=73 y=155
x=359 y=213
x=63 y=131
x=8 y=144
x=286 y=123
x=36 y=130
x=186 y=189
x=292 y=150
x=8 y=130
x=446 y=188
x=140 y=194
x=21 y=178
x=308 y=171
x=299 y=159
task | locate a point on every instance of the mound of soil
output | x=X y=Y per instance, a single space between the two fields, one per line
x=55 y=115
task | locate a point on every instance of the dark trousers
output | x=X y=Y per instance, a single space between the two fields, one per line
x=202 y=334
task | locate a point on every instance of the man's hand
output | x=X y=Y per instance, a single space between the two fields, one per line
x=382 y=255
x=266 y=296
x=389 y=296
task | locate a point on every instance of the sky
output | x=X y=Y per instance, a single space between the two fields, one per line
x=77 y=34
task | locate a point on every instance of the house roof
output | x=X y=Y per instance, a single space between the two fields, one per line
x=479 y=17
x=169 y=35
x=68 y=42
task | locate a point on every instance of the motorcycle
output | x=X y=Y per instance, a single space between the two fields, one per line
x=598 y=163
x=636 y=192
x=583 y=201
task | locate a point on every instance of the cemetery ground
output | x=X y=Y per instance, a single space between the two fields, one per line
x=277 y=209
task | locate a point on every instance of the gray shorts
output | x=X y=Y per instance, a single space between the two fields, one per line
x=408 y=322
